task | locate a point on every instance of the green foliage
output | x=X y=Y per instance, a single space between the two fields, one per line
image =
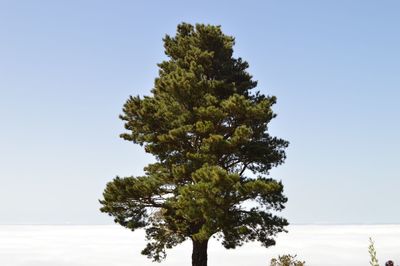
x=208 y=132
x=287 y=260
x=372 y=253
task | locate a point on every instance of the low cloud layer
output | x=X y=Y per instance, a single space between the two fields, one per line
x=328 y=245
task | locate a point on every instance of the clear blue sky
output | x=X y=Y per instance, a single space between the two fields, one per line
x=66 y=68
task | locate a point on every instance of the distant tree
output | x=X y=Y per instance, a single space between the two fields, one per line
x=208 y=133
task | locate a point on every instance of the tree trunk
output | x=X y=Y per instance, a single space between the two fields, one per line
x=199 y=254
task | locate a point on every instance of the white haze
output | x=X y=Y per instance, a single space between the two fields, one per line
x=105 y=245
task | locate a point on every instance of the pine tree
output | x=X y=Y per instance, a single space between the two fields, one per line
x=208 y=132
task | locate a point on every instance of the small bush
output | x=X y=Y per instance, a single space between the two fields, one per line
x=287 y=260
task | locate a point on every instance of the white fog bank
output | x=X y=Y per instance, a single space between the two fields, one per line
x=106 y=245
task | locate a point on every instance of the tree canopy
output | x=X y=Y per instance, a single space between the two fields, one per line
x=208 y=131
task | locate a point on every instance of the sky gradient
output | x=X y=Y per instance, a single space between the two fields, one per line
x=67 y=67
